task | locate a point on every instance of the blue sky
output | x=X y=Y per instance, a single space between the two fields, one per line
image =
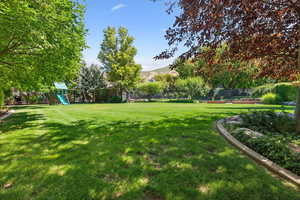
x=145 y=20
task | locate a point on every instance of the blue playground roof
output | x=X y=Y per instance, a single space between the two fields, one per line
x=60 y=86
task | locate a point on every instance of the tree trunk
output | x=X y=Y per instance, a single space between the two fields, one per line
x=297 y=111
x=1 y=99
x=94 y=96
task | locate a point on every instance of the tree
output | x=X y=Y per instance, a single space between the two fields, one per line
x=117 y=56
x=151 y=89
x=1 y=99
x=41 y=43
x=169 y=83
x=192 y=87
x=185 y=68
x=228 y=73
x=90 y=80
x=254 y=29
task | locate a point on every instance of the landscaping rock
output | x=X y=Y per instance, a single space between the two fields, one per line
x=295 y=148
x=249 y=132
x=234 y=120
x=291 y=115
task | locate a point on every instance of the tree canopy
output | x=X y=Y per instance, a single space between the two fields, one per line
x=40 y=42
x=261 y=29
x=117 y=56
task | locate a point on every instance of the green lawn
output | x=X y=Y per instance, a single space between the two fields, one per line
x=148 y=151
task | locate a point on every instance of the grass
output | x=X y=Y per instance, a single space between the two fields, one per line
x=148 y=151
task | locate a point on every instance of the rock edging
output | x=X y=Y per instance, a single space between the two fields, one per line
x=288 y=175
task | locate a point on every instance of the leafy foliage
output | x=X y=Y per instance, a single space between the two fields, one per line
x=90 y=80
x=226 y=73
x=192 y=87
x=169 y=81
x=151 y=89
x=271 y=98
x=279 y=132
x=41 y=43
x=117 y=56
x=229 y=73
x=269 y=122
x=115 y=99
x=274 y=148
x=185 y=69
x=286 y=91
x=1 y=99
x=254 y=29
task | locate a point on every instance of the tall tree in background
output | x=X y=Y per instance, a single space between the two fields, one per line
x=40 y=42
x=262 y=29
x=184 y=68
x=229 y=73
x=89 y=81
x=117 y=56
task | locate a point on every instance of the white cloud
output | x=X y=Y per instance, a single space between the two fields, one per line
x=118 y=6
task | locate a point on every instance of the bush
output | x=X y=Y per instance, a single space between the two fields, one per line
x=286 y=91
x=269 y=122
x=181 y=101
x=150 y=89
x=278 y=131
x=115 y=99
x=271 y=98
x=192 y=87
x=275 y=149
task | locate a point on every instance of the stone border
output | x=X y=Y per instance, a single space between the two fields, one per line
x=288 y=175
x=9 y=113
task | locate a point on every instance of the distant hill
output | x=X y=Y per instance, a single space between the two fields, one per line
x=149 y=75
x=162 y=70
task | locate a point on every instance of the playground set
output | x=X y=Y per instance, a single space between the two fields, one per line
x=61 y=93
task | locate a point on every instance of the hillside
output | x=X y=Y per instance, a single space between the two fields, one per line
x=149 y=75
x=162 y=70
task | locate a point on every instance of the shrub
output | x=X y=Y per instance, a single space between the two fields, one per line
x=271 y=98
x=286 y=91
x=278 y=131
x=269 y=122
x=150 y=89
x=274 y=148
x=115 y=99
x=181 y=101
x=192 y=87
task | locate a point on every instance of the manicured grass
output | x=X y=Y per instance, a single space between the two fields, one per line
x=146 y=151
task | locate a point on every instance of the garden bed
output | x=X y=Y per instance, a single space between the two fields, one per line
x=267 y=137
x=237 y=101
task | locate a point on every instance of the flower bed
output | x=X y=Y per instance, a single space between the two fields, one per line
x=270 y=134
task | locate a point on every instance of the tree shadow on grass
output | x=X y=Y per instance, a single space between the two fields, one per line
x=19 y=121
x=171 y=158
x=29 y=107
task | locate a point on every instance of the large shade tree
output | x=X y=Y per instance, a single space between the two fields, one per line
x=117 y=57
x=40 y=42
x=254 y=29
